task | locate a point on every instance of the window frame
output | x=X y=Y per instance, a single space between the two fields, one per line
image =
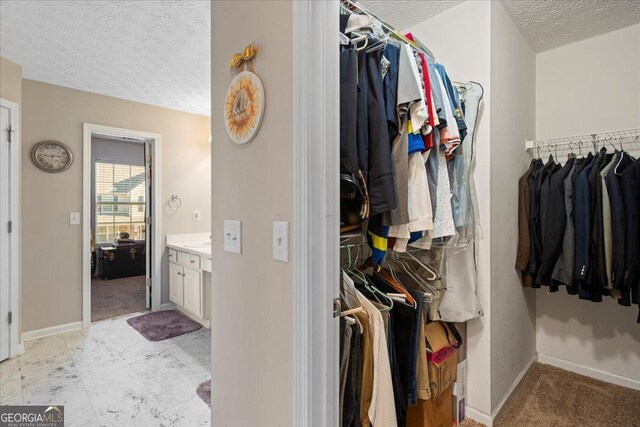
x=115 y=203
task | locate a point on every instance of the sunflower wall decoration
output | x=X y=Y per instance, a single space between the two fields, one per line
x=244 y=104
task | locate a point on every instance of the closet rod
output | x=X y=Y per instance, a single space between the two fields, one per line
x=593 y=139
x=416 y=44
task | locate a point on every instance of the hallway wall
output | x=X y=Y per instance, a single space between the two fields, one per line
x=589 y=86
x=252 y=309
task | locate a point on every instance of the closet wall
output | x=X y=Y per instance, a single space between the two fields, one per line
x=252 y=311
x=492 y=51
x=589 y=86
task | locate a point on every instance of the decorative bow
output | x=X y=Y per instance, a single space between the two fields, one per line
x=247 y=54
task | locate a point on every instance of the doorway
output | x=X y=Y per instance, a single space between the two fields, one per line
x=9 y=228
x=121 y=185
x=121 y=264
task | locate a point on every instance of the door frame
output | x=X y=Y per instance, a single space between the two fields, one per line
x=88 y=129
x=316 y=208
x=15 y=348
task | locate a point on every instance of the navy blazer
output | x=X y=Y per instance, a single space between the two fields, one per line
x=582 y=226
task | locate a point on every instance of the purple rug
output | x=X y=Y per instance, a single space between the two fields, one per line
x=164 y=324
x=204 y=391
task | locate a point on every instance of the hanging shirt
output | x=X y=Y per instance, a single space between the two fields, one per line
x=411 y=101
x=382 y=411
x=449 y=135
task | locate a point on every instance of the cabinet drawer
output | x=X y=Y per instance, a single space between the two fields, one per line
x=183 y=258
x=173 y=255
x=194 y=261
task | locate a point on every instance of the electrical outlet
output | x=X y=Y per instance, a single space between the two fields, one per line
x=281 y=241
x=196 y=215
x=233 y=236
x=74 y=218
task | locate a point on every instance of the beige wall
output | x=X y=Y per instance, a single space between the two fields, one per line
x=11 y=89
x=52 y=273
x=10 y=80
x=252 y=312
x=589 y=86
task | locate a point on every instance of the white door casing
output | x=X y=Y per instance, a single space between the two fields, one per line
x=5 y=247
x=316 y=136
x=9 y=241
x=90 y=129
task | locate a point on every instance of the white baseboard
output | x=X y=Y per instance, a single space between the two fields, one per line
x=53 y=330
x=487 y=419
x=20 y=349
x=589 y=372
x=167 y=306
x=521 y=375
x=478 y=415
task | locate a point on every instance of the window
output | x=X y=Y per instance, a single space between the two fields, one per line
x=120 y=201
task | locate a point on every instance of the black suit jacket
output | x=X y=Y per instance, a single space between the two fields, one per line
x=618 y=225
x=534 y=216
x=630 y=180
x=555 y=224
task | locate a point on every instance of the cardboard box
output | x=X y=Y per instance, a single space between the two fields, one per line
x=459 y=393
x=431 y=413
x=442 y=356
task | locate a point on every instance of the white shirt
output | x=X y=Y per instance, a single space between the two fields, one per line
x=382 y=411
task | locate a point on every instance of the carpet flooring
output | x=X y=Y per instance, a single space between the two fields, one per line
x=117 y=297
x=551 y=397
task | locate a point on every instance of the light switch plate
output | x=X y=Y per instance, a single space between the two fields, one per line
x=196 y=215
x=233 y=236
x=74 y=218
x=281 y=241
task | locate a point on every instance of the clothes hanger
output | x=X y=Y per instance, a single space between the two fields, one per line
x=357 y=272
x=433 y=272
x=383 y=274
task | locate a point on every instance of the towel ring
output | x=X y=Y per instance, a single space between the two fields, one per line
x=174 y=202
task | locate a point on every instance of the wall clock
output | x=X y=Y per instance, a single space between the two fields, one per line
x=244 y=107
x=51 y=156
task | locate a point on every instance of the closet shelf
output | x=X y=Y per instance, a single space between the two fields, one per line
x=591 y=140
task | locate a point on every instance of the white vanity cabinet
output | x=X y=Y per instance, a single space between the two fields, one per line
x=190 y=279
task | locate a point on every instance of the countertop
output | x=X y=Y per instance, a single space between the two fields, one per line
x=196 y=243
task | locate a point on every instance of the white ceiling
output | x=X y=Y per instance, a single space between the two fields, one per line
x=545 y=24
x=155 y=52
x=550 y=24
x=158 y=52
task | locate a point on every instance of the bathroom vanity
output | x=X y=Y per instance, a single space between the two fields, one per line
x=190 y=274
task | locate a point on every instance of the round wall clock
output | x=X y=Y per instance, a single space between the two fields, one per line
x=51 y=156
x=244 y=107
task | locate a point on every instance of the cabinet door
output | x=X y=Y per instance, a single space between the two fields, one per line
x=176 y=283
x=192 y=292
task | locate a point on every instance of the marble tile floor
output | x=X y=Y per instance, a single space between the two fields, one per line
x=110 y=375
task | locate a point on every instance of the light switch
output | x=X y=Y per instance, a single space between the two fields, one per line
x=233 y=237
x=196 y=215
x=281 y=241
x=74 y=218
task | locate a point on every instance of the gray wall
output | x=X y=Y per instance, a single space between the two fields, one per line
x=131 y=153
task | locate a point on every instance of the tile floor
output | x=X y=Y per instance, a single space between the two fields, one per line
x=110 y=375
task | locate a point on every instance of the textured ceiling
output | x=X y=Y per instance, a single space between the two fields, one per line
x=551 y=24
x=155 y=52
x=404 y=13
x=546 y=24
